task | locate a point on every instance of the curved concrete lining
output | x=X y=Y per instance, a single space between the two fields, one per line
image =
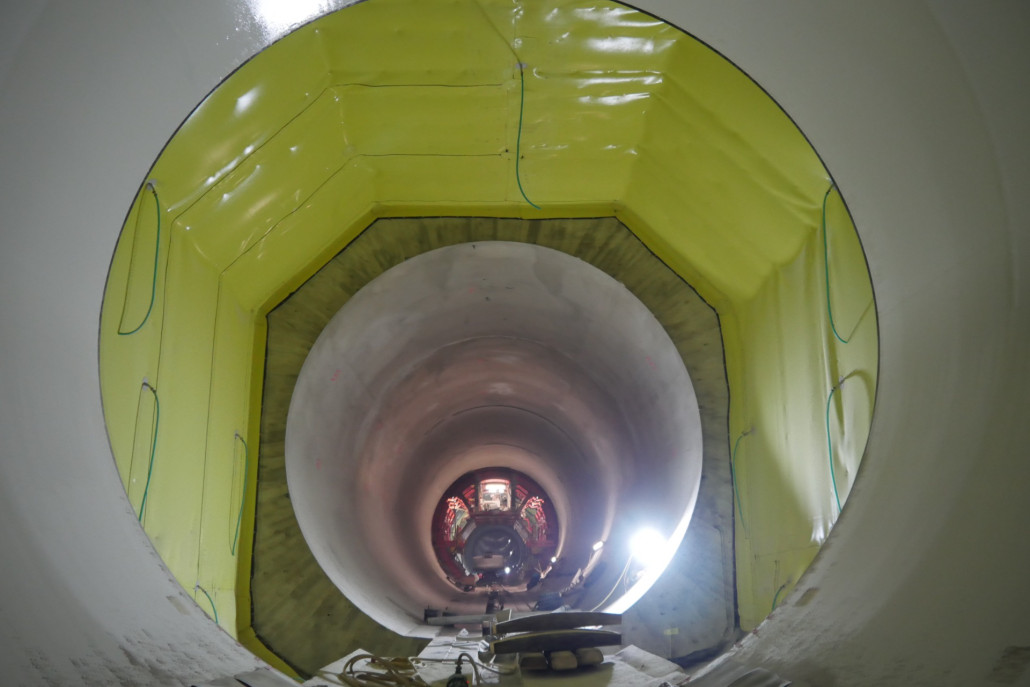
x=916 y=108
x=489 y=354
x=253 y=207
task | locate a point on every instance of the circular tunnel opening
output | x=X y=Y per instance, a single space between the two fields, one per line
x=544 y=115
x=490 y=359
x=495 y=529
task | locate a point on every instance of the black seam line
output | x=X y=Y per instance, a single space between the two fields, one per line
x=418 y=85
x=429 y=155
x=242 y=160
x=313 y=101
x=329 y=178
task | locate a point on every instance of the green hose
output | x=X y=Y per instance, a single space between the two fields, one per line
x=826 y=266
x=522 y=101
x=243 y=498
x=157 y=251
x=153 y=449
x=211 y=601
x=518 y=138
x=829 y=444
x=733 y=478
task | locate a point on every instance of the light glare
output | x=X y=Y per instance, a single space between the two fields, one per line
x=276 y=17
x=647 y=547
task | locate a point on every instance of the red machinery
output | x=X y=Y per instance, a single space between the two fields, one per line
x=494 y=527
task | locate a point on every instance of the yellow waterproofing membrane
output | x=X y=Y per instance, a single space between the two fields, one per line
x=483 y=108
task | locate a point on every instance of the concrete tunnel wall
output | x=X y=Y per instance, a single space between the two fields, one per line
x=388 y=411
x=916 y=109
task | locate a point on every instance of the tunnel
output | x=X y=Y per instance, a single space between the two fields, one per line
x=528 y=343
x=915 y=112
x=361 y=272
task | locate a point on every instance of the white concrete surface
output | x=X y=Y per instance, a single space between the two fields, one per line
x=919 y=111
x=480 y=355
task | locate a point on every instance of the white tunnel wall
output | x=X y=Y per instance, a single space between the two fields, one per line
x=418 y=374
x=919 y=110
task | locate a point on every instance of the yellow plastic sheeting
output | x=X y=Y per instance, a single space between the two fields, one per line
x=237 y=118
x=724 y=178
x=130 y=336
x=781 y=377
x=463 y=107
x=175 y=438
x=266 y=186
x=428 y=115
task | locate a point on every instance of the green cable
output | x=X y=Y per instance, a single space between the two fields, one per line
x=733 y=478
x=777 y=595
x=212 y=601
x=521 y=103
x=157 y=251
x=518 y=138
x=153 y=448
x=829 y=445
x=826 y=265
x=243 y=499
